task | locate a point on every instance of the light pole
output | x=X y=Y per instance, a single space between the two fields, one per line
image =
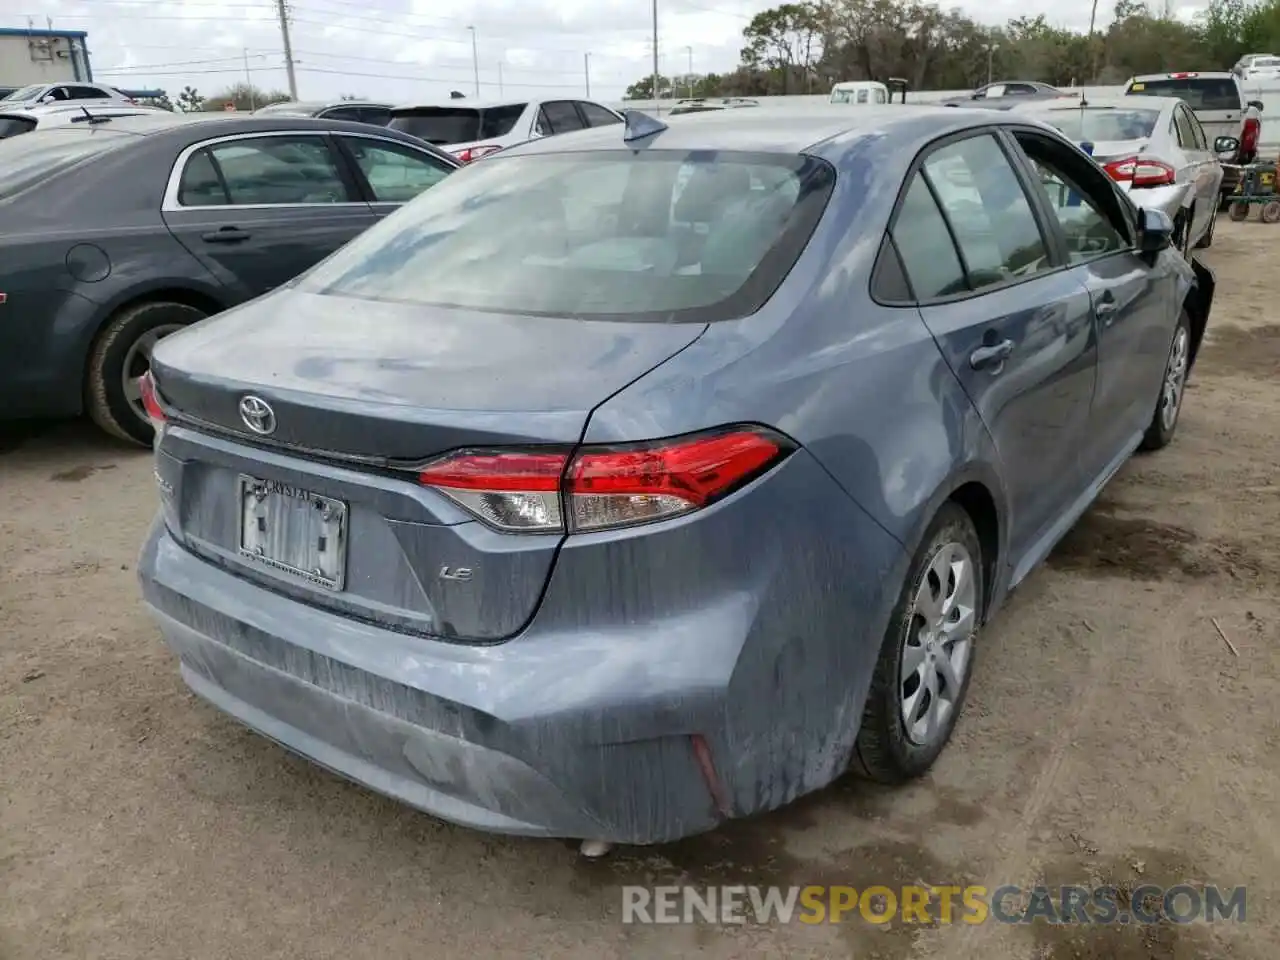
x=248 y=82
x=991 y=53
x=690 y=49
x=657 y=106
x=475 y=60
x=586 y=70
x=1093 y=71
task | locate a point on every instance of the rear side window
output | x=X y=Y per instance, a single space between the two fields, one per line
x=395 y=173
x=26 y=160
x=441 y=125
x=559 y=116
x=923 y=240
x=264 y=170
x=1207 y=93
x=988 y=211
x=12 y=126
x=378 y=116
x=601 y=235
x=598 y=116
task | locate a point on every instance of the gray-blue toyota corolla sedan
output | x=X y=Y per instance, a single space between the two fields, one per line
x=642 y=478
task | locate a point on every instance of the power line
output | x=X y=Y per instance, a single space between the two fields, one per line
x=130 y=68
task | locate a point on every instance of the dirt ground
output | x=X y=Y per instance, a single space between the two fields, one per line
x=1111 y=736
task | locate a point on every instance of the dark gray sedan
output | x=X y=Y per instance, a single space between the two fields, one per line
x=118 y=233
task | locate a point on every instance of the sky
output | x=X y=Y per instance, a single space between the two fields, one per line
x=405 y=50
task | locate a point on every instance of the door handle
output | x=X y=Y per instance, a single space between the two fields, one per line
x=1106 y=310
x=225 y=235
x=992 y=356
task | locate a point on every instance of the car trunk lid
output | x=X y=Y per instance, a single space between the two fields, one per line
x=326 y=506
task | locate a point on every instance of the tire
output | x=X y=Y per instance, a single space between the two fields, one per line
x=1205 y=242
x=1172 y=388
x=1239 y=210
x=885 y=750
x=1270 y=212
x=127 y=338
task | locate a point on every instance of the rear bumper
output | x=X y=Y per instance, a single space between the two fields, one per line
x=583 y=725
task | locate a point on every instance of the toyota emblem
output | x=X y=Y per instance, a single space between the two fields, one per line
x=257 y=415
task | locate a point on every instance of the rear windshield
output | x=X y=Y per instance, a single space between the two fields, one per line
x=660 y=235
x=441 y=125
x=1200 y=93
x=1101 y=124
x=11 y=126
x=25 y=161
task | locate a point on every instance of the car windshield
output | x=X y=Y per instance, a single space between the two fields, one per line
x=1102 y=123
x=26 y=160
x=657 y=235
x=440 y=125
x=24 y=93
x=1200 y=93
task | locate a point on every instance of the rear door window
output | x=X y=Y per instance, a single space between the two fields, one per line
x=444 y=125
x=378 y=116
x=561 y=116
x=1200 y=93
x=988 y=211
x=1182 y=130
x=596 y=115
x=342 y=113
x=279 y=170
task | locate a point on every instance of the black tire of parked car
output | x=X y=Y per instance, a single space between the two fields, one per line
x=1206 y=241
x=105 y=398
x=1158 y=435
x=883 y=752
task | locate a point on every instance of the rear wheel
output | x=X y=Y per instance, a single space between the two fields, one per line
x=1164 y=422
x=120 y=356
x=1270 y=211
x=922 y=674
x=1239 y=210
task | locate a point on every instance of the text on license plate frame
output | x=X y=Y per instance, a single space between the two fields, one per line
x=265 y=506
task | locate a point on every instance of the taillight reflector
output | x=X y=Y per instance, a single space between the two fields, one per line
x=1249 y=136
x=1182 y=76
x=468 y=154
x=601 y=488
x=151 y=400
x=1140 y=172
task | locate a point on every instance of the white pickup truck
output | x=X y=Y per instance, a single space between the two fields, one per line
x=1219 y=103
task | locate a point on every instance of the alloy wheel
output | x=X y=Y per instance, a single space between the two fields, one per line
x=138 y=361
x=1175 y=379
x=938 y=644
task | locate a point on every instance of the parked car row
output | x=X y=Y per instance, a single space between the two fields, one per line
x=639 y=479
x=118 y=233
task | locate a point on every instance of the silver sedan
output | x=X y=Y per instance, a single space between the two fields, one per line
x=1156 y=151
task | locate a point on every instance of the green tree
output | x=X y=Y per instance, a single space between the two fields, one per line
x=189 y=100
x=787 y=40
x=642 y=89
x=245 y=97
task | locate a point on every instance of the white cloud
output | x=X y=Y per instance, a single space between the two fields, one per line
x=401 y=50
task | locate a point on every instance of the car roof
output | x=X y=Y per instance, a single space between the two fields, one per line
x=813 y=129
x=464 y=104
x=1100 y=103
x=231 y=124
x=1184 y=75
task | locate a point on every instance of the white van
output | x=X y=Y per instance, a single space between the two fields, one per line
x=860 y=92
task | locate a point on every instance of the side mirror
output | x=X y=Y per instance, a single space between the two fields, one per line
x=1226 y=145
x=1256 y=104
x=1155 y=232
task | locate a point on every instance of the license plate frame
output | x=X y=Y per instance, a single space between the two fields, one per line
x=266 y=506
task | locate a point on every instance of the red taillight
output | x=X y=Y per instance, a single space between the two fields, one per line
x=1141 y=173
x=151 y=400
x=1249 y=136
x=602 y=488
x=1182 y=76
x=468 y=154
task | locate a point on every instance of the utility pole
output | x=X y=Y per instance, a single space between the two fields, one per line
x=991 y=53
x=248 y=81
x=586 y=71
x=475 y=60
x=657 y=105
x=500 y=78
x=1093 y=59
x=690 y=49
x=283 y=11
